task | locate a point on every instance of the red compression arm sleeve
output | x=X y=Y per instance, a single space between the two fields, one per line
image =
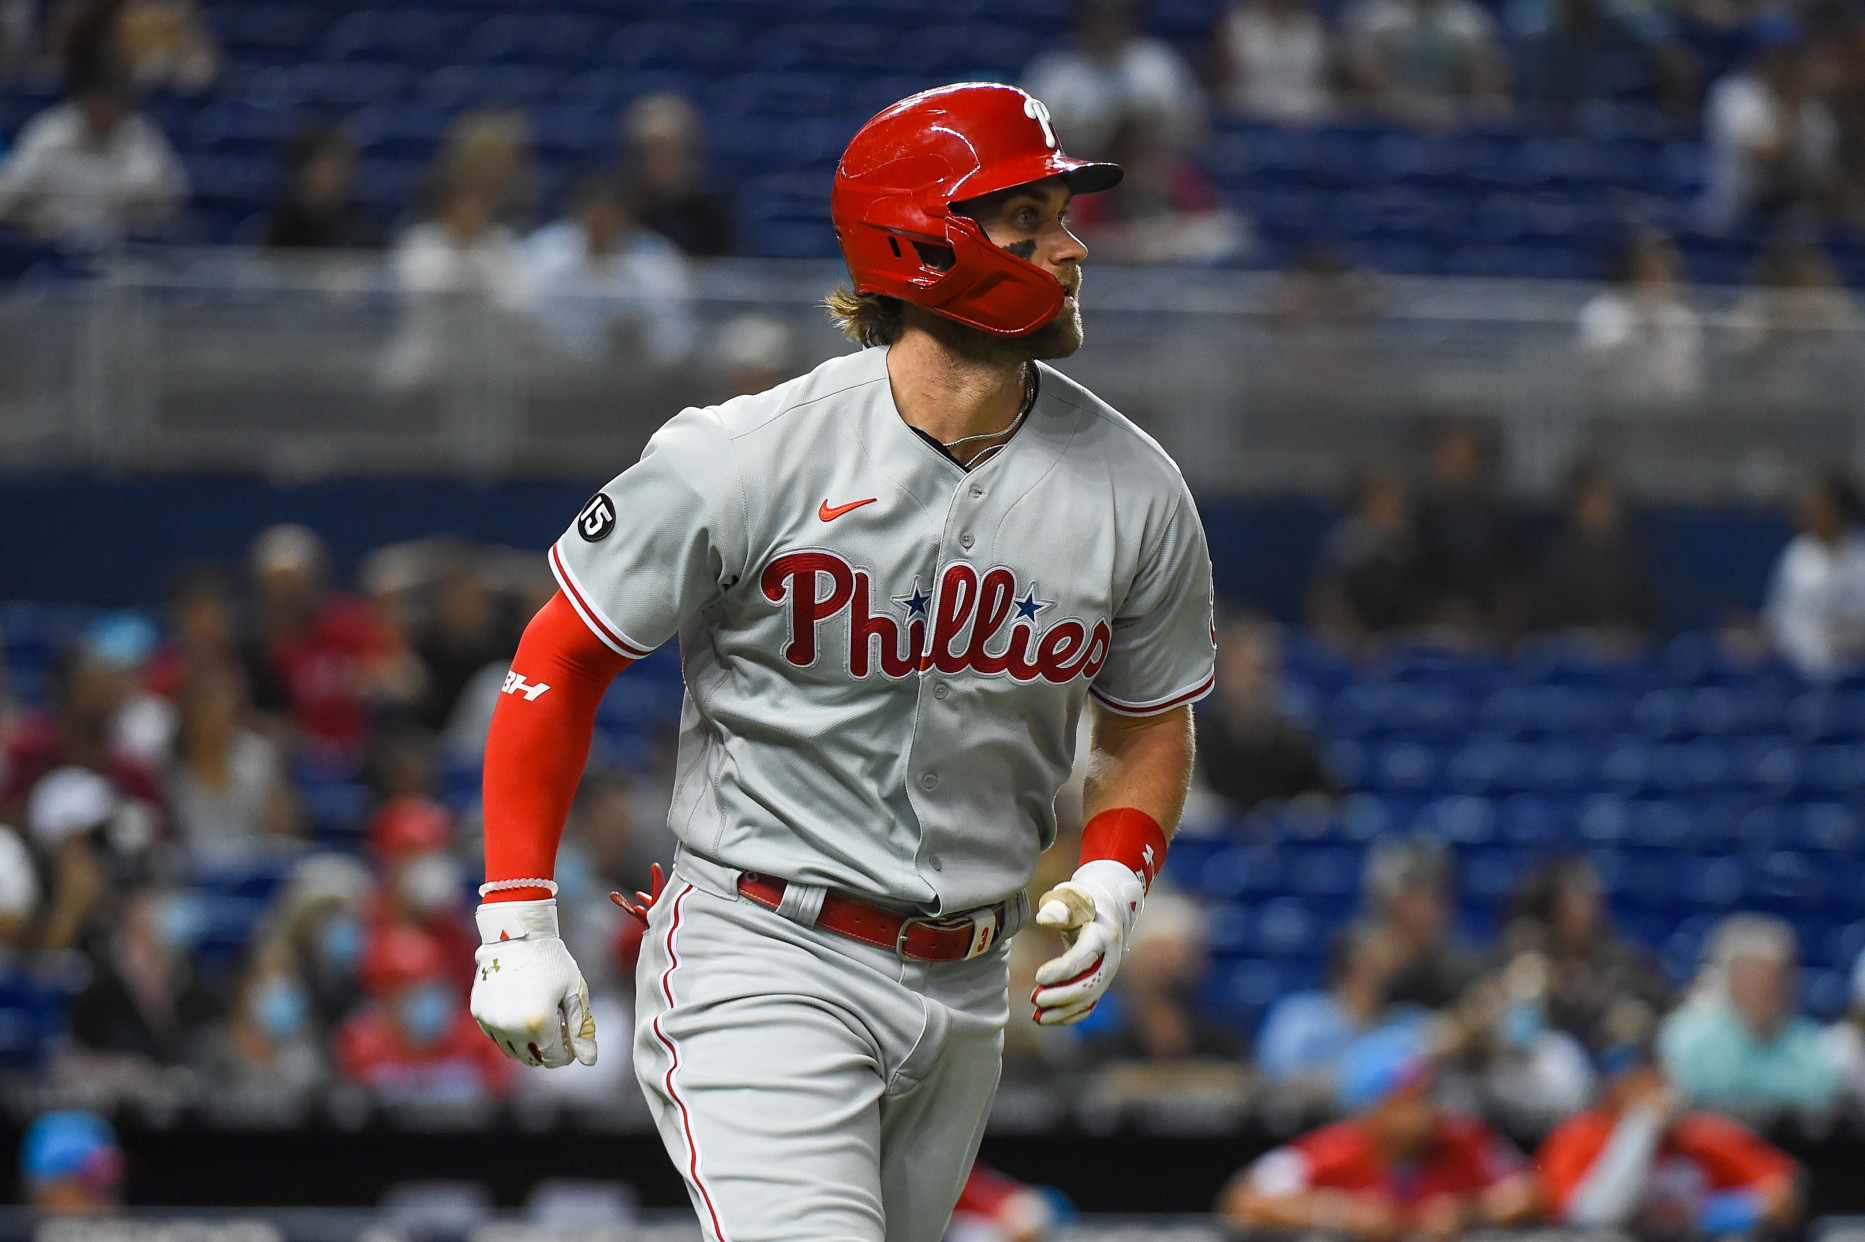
x=539 y=742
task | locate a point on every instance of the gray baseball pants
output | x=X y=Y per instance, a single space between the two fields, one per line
x=810 y=1088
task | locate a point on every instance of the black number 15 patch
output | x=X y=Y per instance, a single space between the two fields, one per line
x=597 y=519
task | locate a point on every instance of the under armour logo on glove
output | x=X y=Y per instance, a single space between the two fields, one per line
x=643 y=902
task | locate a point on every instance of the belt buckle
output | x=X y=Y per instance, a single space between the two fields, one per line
x=983 y=922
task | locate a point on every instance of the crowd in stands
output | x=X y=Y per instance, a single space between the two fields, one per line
x=1775 y=91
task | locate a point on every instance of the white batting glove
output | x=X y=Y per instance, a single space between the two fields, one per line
x=1098 y=906
x=528 y=994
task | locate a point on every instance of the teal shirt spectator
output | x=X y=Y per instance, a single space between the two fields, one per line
x=1716 y=1061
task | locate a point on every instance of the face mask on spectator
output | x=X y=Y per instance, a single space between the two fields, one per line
x=280 y=1006
x=340 y=944
x=424 y=1013
x=180 y=920
x=430 y=883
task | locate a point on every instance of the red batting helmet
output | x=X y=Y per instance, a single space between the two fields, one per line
x=893 y=196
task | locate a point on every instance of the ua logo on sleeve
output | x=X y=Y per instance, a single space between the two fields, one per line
x=516 y=684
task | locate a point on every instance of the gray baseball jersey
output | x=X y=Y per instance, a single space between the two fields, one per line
x=885 y=654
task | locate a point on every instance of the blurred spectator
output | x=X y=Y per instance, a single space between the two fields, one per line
x=318 y=210
x=118 y=646
x=664 y=144
x=1770 y=141
x=1640 y=336
x=271 y=1040
x=87 y=690
x=461 y=268
x=1113 y=74
x=1581 y=52
x=490 y=155
x=318 y=919
x=1425 y=62
x=604 y=287
x=1797 y=307
x=1323 y=287
x=606 y=849
x=1275 y=61
x=1639 y=1164
x=1472 y=545
x=1736 y=1045
x=1157 y=1018
x=1530 y=1072
x=416 y=1040
x=321 y=656
x=166 y=43
x=465 y=633
x=753 y=353
x=1560 y=912
x=1165 y=210
x=1594 y=576
x=1816 y=596
x=200 y=630
x=996 y=1208
x=91 y=169
x=70 y=1164
x=422 y=883
x=1248 y=747
x=1399 y=1167
x=91 y=838
x=1305 y=1034
x=227 y=790
x=19 y=896
x=1372 y=572
x=1409 y=895
x=142 y=1002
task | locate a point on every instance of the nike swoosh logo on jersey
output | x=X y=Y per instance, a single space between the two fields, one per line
x=829 y=515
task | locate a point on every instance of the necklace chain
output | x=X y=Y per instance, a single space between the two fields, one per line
x=1029 y=400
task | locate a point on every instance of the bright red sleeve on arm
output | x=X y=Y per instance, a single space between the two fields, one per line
x=539 y=742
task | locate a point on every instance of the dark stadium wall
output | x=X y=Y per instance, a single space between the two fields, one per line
x=119 y=541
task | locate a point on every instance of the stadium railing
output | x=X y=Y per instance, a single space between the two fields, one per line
x=233 y=360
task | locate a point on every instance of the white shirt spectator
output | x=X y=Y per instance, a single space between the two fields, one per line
x=1088 y=96
x=1643 y=349
x=580 y=297
x=1277 y=56
x=453 y=285
x=19 y=879
x=1423 y=50
x=62 y=181
x=1751 y=142
x=1816 y=605
x=225 y=822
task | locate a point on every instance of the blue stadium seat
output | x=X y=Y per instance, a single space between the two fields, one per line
x=267 y=33
x=1241 y=871
x=394 y=36
x=707 y=47
x=962 y=51
x=457 y=87
x=560 y=40
x=820 y=48
x=777 y=94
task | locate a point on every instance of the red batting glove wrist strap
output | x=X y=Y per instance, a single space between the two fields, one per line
x=1130 y=837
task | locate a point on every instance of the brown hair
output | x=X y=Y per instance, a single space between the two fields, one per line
x=868 y=319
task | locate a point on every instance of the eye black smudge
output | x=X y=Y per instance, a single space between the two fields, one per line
x=1025 y=250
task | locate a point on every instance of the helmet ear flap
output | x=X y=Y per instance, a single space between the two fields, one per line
x=989 y=288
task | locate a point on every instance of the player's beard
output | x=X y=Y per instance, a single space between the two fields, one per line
x=1058 y=338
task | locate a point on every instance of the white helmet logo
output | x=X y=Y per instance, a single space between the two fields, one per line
x=1038 y=111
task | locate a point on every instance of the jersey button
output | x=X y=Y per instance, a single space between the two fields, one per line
x=935 y=862
x=941 y=690
x=964 y=540
x=929 y=781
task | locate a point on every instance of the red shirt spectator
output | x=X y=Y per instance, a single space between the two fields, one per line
x=1701 y=1151
x=326 y=670
x=1462 y=1157
x=376 y=1050
x=1632 y=1164
x=417 y=1040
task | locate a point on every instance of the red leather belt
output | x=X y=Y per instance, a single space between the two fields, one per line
x=949 y=938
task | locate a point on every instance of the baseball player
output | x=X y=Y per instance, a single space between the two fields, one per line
x=897 y=582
